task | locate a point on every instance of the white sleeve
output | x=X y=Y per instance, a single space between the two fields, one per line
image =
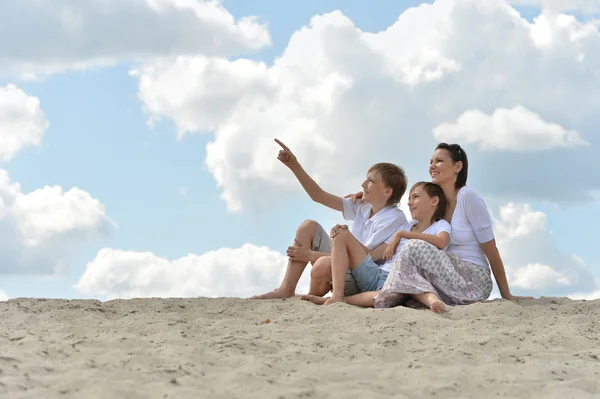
x=350 y=210
x=384 y=229
x=477 y=214
x=441 y=226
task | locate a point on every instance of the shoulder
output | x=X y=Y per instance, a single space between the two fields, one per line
x=468 y=194
x=393 y=213
x=442 y=225
x=407 y=226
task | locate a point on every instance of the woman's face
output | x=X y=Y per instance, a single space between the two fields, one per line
x=442 y=168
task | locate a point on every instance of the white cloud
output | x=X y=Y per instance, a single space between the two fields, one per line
x=588 y=297
x=534 y=265
x=239 y=272
x=22 y=121
x=74 y=34
x=42 y=229
x=514 y=129
x=584 y=6
x=340 y=96
x=3 y=296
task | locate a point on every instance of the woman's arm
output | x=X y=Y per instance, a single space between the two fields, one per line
x=493 y=255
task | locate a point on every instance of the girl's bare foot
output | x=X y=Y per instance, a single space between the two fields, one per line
x=438 y=306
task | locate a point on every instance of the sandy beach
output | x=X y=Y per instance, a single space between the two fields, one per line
x=236 y=348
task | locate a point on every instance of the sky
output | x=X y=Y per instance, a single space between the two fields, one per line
x=136 y=136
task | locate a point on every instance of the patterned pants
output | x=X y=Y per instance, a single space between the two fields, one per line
x=421 y=267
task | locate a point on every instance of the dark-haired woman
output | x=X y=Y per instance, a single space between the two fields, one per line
x=461 y=274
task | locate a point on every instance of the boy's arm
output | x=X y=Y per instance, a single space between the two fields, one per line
x=377 y=253
x=311 y=187
x=315 y=192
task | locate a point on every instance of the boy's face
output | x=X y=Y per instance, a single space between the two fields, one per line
x=375 y=190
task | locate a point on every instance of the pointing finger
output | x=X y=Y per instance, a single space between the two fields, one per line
x=282 y=145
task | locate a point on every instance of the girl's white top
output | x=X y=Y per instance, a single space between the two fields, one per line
x=435 y=229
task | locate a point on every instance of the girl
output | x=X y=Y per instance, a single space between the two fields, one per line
x=427 y=205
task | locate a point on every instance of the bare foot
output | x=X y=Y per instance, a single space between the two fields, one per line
x=439 y=307
x=334 y=299
x=277 y=294
x=317 y=300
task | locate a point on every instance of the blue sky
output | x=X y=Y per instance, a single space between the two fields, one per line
x=158 y=189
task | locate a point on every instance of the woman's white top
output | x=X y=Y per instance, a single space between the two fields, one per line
x=471 y=226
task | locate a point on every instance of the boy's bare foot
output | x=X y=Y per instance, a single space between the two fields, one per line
x=276 y=294
x=317 y=300
x=334 y=299
x=439 y=307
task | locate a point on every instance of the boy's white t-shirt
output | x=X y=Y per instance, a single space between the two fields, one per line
x=471 y=226
x=372 y=231
x=435 y=229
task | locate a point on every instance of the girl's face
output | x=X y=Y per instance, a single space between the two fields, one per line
x=422 y=206
x=442 y=168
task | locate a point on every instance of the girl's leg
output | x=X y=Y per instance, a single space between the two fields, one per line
x=433 y=302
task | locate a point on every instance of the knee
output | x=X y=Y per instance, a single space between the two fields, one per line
x=307 y=226
x=321 y=269
x=343 y=235
x=415 y=245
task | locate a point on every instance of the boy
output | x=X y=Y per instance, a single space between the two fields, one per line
x=375 y=220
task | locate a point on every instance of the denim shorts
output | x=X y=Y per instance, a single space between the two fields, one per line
x=368 y=275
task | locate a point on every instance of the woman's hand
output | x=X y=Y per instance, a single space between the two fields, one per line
x=355 y=197
x=511 y=297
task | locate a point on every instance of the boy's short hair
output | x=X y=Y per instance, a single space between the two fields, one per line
x=393 y=176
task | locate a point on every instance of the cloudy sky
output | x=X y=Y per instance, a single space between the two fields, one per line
x=136 y=136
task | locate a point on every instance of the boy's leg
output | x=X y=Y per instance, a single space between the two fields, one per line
x=311 y=235
x=346 y=253
x=320 y=279
x=320 y=276
x=364 y=299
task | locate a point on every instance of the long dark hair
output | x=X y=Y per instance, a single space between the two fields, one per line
x=458 y=155
x=433 y=190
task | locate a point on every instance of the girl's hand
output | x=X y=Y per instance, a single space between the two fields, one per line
x=390 y=250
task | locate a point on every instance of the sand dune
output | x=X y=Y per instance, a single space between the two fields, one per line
x=218 y=348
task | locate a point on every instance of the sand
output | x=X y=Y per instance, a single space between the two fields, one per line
x=218 y=348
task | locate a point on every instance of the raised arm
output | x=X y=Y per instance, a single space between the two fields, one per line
x=311 y=187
